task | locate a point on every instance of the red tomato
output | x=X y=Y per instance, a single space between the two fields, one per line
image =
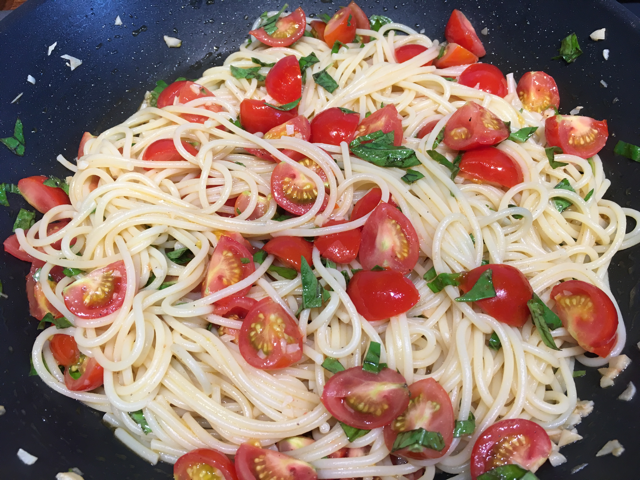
x=367 y=203
x=53 y=228
x=284 y=80
x=289 y=29
x=165 y=151
x=386 y=119
x=293 y=190
x=429 y=408
x=226 y=267
x=389 y=240
x=362 y=21
x=382 y=294
x=575 y=135
x=42 y=197
x=270 y=338
x=294 y=443
x=64 y=349
x=366 y=400
x=91 y=375
x=588 y=314
x=459 y=30
x=39 y=306
x=487 y=77
x=341 y=27
x=290 y=250
x=513 y=291
x=253 y=463
x=12 y=247
x=473 y=126
x=538 y=91
x=301 y=130
x=242 y=202
x=407 y=52
x=234 y=306
x=98 y=293
x=510 y=441
x=455 y=55
x=333 y=126
x=183 y=92
x=204 y=463
x=490 y=165
x=231 y=202
x=86 y=136
x=317 y=29
x=427 y=129
x=256 y=116
x=339 y=247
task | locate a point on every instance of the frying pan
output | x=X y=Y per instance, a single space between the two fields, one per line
x=121 y=62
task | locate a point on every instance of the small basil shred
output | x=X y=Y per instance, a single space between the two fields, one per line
x=260 y=256
x=60 y=323
x=516 y=216
x=346 y=110
x=72 y=272
x=377 y=268
x=55 y=182
x=257 y=61
x=138 y=417
x=329 y=263
x=288 y=273
x=325 y=17
x=562 y=204
x=371 y=361
x=438 y=139
x=353 y=433
x=333 y=365
x=270 y=23
x=569 y=49
x=442 y=160
x=160 y=86
x=286 y=107
x=306 y=62
x=24 y=220
x=508 y=472
x=436 y=283
x=248 y=73
x=550 y=318
x=579 y=373
x=313 y=294
x=378 y=21
x=627 y=150
x=182 y=256
x=416 y=440
x=589 y=195
x=482 y=289
x=465 y=427
x=494 y=342
x=538 y=314
x=551 y=156
x=245 y=260
x=32 y=372
x=523 y=134
x=381 y=151
x=166 y=285
x=411 y=176
x=326 y=81
x=337 y=46
x=16 y=143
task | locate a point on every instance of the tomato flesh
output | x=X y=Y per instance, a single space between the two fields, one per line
x=474 y=126
x=407 y=52
x=340 y=247
x=165 y=151
x=576 y=135
x=490 y=165
x=367 y=203
x=204 y=464
x=290 y=250
x=91 y=375
x=284 y=80
x=427 y=129
x=317 y=29
x=341 y=27
x=488 y=78
x=293 y=190
x=455 y=55
x=378 y=295
x=12 y=247
x=538 y=91
x=42 y=197
x=289 y=29
x=242 y=203
x=459 y=30
x=86 y=136
x=386 y=119
x=362 y=21
x=39 y=306
x=299 y=128
x=226 y=267
x=64 y=349
x=333 y=126
x=253 y=463
x=256 y=116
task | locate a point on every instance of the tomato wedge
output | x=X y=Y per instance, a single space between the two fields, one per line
x=492 y=166
x=513 y=291
x=293 y=190
x=427 y=129
x=184 y=91
x=86 y=136
x=379 y=295
x=289 y=29
x=429 y=408
x=473 y=126
x=165 y=151
x=317 y=29
x=242 y=202
x=297 y=127
x=99 y=293
x=333 y=126
x=538 y=91
x=256 y=116
x=386 y=119
x=42 y=197
x=204 y=463
x=459 y=30
x=64 y=349
x=253 y=463
x=341 y=27
x=270 y=338
x=284 y=80
x=12 y=247
x=290 y=250
x=407 y=52
x=576 y=135
x=39 y=306
x=588 y=314
x=362 y=21
x=340 y=247
x=86 y=374
x=516 y=440
x=389 y=240
x=455 y=55
x=226 y=267
x=488 y=78
x=366 y=400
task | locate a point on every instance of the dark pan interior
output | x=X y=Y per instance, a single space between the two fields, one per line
x=119 y=65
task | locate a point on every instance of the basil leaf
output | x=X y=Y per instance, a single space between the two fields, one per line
x=60 y=323
x=306 y=62
x=579 y=373
x=484 y=262
x=281 y=216
x=562 y=204
x=337 y=46
x=286 y=107
x=152 y=278
x=312 y=291
x=377 y=21
x=248 y=73
x=430 y=275
x=18 y=131
x=494 y=342
x=245 y=260
x=333 y=365
x=451 y=79
x=442 y=160
x=346 y=110
x=324 y=17
x=182 y=256
x=72 y=272
x=377 y=268
x=270 y=24
x=353 y=433
x=74 y=373
x=32 y=372
x=381 y=151
x=24 y=220
x=3 y=195
x=523 y=134
x=237 y=123
x=411 y=176
x=508 y=125
x=166 y=285
x=516 y=216
x=416 y=440
x=482 y=289
x=55 y=182
x=536 y=307
x=308 y=33
x=138 y=417
x=347 y=279
x=550 y=318
x=551 y=155
x=260 y=256
x=329 y=263
x=288 y=273
x=473 y=239
x=588 y=195
x=508 y=472
x=569 y=49
x=371 y=362
x=326 y=81
x=436 y=283
x=257 y=61
x=11 y=188
x=465 y=427
x=627 y=150
x=441 y=53
x=160 y=86
x=439 y=138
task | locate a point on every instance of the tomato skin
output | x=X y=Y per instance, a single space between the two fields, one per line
x=226 y=267
x=205 y=457
x=317 y=29
x=473 y=126
x=242 y=202
x=39 y=306
x=340 y=247
x=293 y=190
x=184 y=91
x=256 y=116
x=12 y=247
x=427 y=129
x=588 y=314
x=332 y=126
x=301 y=130
x=510 y=441
x=92 y=375
x=42 y=197
x=165 y=151
x=86 y=136
x=276 y=465
x=490 y=165
x=538 y=91
x=389 y=240
x=459 y=30
x=234 y=305
x=381 y=295
x=284 y=80
x=355 y=386
x=407 y=52
x=367 y=203
x=422 y=413
x=289 y=30
x=362 y=21
x=489 y=79
x=576 y=135
x=386 y=119
x=455 y=55
x=290 y=250
x=341 y=27
x=513 y=291
x=64 y=349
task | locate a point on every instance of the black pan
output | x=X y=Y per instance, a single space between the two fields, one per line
x=121 y=63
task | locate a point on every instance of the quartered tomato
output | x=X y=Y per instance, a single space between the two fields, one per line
x=340 y=247
x=407 y=52
x=184 y=91
x=367 y=203
x=455 y=55
x=366 y=400
x=39 y=306
x=226 y=267
x=297 y=127
x=513 y=291
x=575 y=135
x=290 y=250
x=242 y=202
x=270 y=338
x=12 y=246
x=473 y=126
x=98 y=293
x=492 y=166
x=293 y=190
x=294 y=443
x=42 y=197
x=429 y=408
x=202 y=464
x=64 y=349
x=427 y=129
x=516 y=440
x=362 y=21
x=487 y=78
x=289 y=29
x=389 y=240
x=341 y=27
x=386 y=119
x=86 y=136
x=333 y=126
x=253 y=463
x=165 y=151
x=317 y=29
x=538 y=91
x=256 y=116
x=588 y=314
x=459 y=30
x=378 y=295
x=284 y=80
x=88 y=374
x=234 y=306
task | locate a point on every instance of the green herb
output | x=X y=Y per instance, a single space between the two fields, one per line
x=324 y=17
x=416 y=440
x=436 y=283
x=16 y=143
x=3 y=195
x=269 y=23
x=166 y=285
x=508 y=472
x=24 y=220
x=543 y=319
x=237 y=123
x=72 y=272
x=473 y=239
x=371 y=361
x=430 y=275
x=257 y=61
x=349 y=20
x=152 y=278
x=138 y=417
x=160 y=86
x=484 y=262
x=516 y=216
x=347 y=279
x=60 y=323
x=337 y=45
x=32 y=372
x=308 y=33
x=75 y=373
x=438 y=139
x=182 y=256
x=627 y=150
x=333 y=365
x=313 y=294
x=450 y=79
x=494 y=342
x=260 y=256
x=286 y=107
x=367 y=115
x=377 y=21
x=306 y=62
x=551 y=155
x=589 y=195
x=377 y=268
x=579 y=373
x=569 y=49
x=326 y=81
x=182 y=79
x=562 y=204
x=442 y=160
x=281 y=217
x=465 y=427
x=411 y=176
x=248 y=73
x=441 y=53
x=353 y=433
x=508 y=125
x=329 y=263
x=55 y=182
x=346 y=110
x=382 y=152
x=288 y=273
x=482 y=289
x=523 y=134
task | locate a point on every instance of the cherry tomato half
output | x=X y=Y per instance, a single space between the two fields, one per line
x=42 y=197
x=226 y=267
x=289 y=29
x=340 y=247
x=576 y=135
x=459 y=30
x=242 y=202
x=333 y=126
x=184 y=91
x=297 y=127
x=89 y=373
x=86 y=136
x=12 y=246
x=341 y=27
x=165 y=151
x=473 y=126
x=39 y=306
x=386 y=119
x=256 y=116
x=253 y=463
x=455 y=55
x=204 y=463
x=538 y=91
x=490 y=165
x=487 y=77
x=293 y=190
x=64 y=349
x=317 y=29
x=290 y=250
x=362 y=21
x=378 y=295
x=234 y=306
x=407 y=52
x=367 y=203
x=284 y=80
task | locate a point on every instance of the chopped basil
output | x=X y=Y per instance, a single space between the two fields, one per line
x=516 y=216
x=281 y=216
x=371 y=362
x=438 y=139
x=74 y=372
x=346 y=110
x=257 y=61
x=416 y=440
x=430 y=275
x=152 y=278
x=306 y=62
x=269 y=23
x=367 y=115
x=473 y=239
x=3 y=195
x=32 y=372
x=328 y=263
x=72 y=272
x=288 y=273
x=324 y=17
x=508 y=125
x=589 y=195
x=465 y=427
x=138 y=417
x=55 y=182
x=381 y=151
x=347 y=279
x=260 y=256
x=313 y=294
x=442 y=160
x=508 y=472
x=308 y=33
x=562 y=204
x=182 y=256
x=237 y=123
x=326 y=81
x=337 y=45
x=436 y=283
x=377 y=268
x=523 y=134
x=349 y=20
x=411 y=176
x=494 y=342
x=484 y=262
x=245 y=260
x=569 y=49
x=248 y=73
x=333 y=365
x=16 y=143
x=160 y=86
x=482 y=289
x=441 y=53
x=627 y=150
x=166 y=285
x=60 y=323
x=544 y=319
x=450 y=79
x=24 y=220
x=286 y=107
x=579 y=373
x=551 y=155
x=377 y=21
x=353 y=433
